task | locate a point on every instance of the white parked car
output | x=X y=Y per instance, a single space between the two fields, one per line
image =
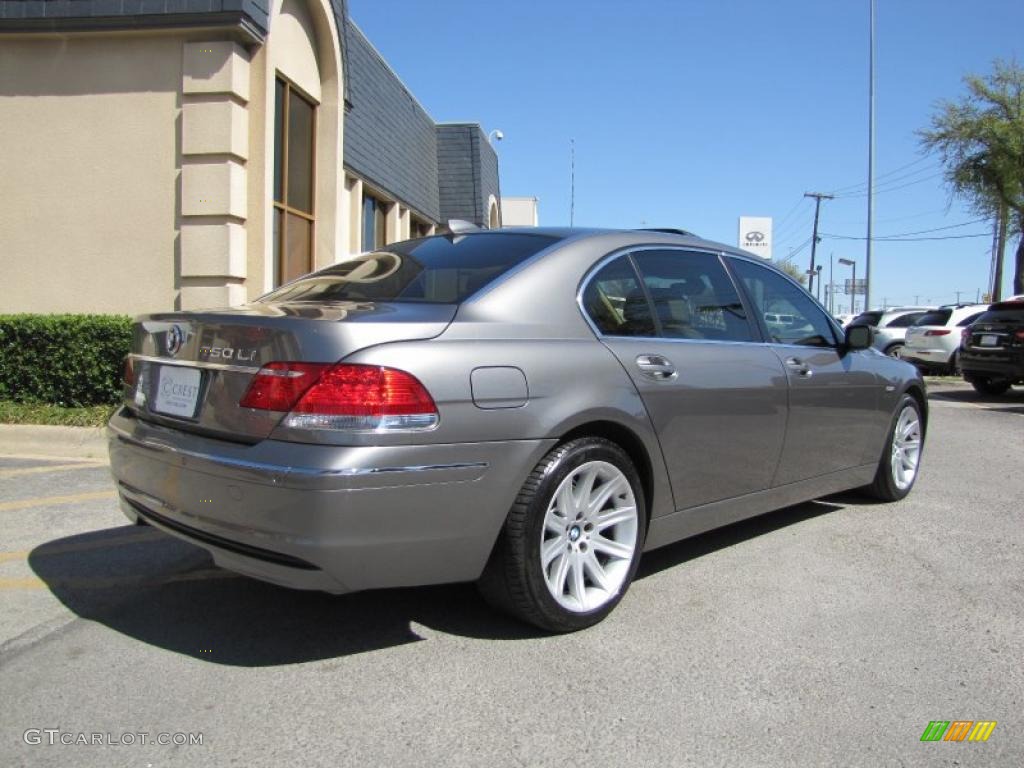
x=890 y=326
x=933 y=342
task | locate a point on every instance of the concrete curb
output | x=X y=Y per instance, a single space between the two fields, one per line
x=51 y=441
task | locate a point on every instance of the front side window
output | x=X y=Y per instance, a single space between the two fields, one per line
x=294 y=128
x=790 y=315
x=693 y=296
x=615 y=301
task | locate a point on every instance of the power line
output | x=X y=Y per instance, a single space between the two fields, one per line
x=880 y=190
x=863 y=185
x=934 y=229
x=906 y=239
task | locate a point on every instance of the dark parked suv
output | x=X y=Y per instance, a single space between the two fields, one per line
x=992 y=348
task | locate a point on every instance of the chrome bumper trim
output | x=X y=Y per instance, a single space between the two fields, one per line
x=279 y=474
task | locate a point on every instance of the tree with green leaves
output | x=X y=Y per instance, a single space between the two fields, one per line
x=980 y=139
x=789 y=266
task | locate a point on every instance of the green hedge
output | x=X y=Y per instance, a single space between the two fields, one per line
x=67 y=360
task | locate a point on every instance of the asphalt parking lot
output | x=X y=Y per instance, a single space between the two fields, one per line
x=829 y=633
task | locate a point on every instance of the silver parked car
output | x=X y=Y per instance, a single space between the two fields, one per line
x=889 y=326
x=527 y=409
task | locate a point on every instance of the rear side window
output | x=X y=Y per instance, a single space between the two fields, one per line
x=938 y=317
x=435 y=270
x=615 y=302
x=693 y=296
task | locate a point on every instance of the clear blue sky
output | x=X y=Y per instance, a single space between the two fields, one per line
x=690 y=114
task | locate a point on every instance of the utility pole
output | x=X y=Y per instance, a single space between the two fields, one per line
x=818 y=197
x=958 y=297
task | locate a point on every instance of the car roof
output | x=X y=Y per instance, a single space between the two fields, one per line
x=643 y=237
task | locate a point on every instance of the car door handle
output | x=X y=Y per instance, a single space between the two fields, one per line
x=656 y=367
x=801 y=367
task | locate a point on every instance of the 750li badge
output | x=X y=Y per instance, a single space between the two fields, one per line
x=227 y=353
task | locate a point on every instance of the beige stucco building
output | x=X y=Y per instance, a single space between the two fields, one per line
x=161 y=155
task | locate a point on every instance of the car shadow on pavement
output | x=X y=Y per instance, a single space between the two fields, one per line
x=1011 y=397
x=164 y=592
x=722 y=538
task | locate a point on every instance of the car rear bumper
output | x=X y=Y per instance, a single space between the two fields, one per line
x=934 y=357
x=331 y=518
x=1003 y=365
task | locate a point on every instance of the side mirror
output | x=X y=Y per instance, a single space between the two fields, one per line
x=858 y=337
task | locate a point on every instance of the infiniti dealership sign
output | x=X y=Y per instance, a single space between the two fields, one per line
x=755 y=235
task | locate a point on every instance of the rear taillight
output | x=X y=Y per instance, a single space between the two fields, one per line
x=129 y=373
x=939 y=332
x=277 y=386
x=1019 y=335
x=342 y=397
x=965 y=337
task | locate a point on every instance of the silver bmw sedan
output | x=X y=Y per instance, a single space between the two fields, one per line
x=527 y=409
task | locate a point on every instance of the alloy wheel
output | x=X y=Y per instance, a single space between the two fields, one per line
x=906 y=448
x=589 y=536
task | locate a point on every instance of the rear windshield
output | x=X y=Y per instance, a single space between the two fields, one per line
x=867 y=318
x=905 y=321
x=1003 y=315
x=435 y=270
x=938 y=317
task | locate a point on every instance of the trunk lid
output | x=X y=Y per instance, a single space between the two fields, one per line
x=191 y=369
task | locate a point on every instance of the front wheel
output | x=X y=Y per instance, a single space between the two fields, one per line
x=990 y=386
x=895 y=350
x=572 y=540
x=901 y=457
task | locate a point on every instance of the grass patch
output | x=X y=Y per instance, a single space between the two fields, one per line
x=44 y=413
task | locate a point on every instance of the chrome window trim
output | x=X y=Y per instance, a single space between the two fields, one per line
x=629 y=249
x=195 y=364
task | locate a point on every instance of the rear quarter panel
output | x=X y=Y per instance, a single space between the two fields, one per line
x=570 y=383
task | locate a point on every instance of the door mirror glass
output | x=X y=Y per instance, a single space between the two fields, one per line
x=858 y=337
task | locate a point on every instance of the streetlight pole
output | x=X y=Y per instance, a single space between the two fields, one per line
x=853 y=291
x=871 y=158
x=831 y=285
x=818 y=270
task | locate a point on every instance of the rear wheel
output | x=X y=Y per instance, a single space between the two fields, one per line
x=987 y=386
x=954 y=364
x=901 y=458
x=572 y=540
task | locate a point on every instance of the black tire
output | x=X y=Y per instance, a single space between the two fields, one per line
x=884 y=487
x=895 y=350
x=986 y=386
x=513 y=580
x=954 y=364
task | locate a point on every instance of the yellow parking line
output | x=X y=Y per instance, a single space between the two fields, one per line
x=33 y=582
x=44 y=501
x=84 y=546
x=30 y=582
x=49 y=468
